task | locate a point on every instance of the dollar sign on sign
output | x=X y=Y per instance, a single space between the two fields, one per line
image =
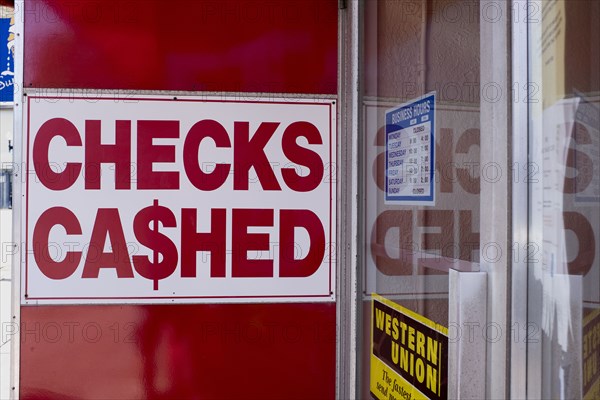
x=154 y=269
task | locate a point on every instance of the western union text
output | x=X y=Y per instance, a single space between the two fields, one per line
x=414 y=352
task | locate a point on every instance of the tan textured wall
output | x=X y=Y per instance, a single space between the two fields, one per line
x=423 y=46
x=582 y=46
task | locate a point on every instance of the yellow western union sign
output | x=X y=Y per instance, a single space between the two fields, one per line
x=409 y=357
x=591 y=355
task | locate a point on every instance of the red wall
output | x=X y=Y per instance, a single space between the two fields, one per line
x=262 y=351
x=234 y=45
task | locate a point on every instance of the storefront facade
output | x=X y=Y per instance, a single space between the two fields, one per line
x=447 y=150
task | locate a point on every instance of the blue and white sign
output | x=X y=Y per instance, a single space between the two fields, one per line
x=410 y=152
x=7 y=59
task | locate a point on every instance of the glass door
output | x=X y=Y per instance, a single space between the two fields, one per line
x=420 y=189
x=564 y=223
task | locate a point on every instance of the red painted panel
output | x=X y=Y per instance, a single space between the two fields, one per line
x=218 y=45
x=251 y=351
x=262 y=351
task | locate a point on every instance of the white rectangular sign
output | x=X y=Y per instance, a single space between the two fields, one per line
x=406 y=252
x=159 y=199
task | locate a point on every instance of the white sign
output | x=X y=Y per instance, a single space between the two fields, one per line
x=407 y=253
x=163 y=199
x=409 y=156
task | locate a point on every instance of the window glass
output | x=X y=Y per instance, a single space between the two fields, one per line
x=564 y=283
x=421 y=157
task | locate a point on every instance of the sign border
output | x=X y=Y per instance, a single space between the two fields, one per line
x=328 y=101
